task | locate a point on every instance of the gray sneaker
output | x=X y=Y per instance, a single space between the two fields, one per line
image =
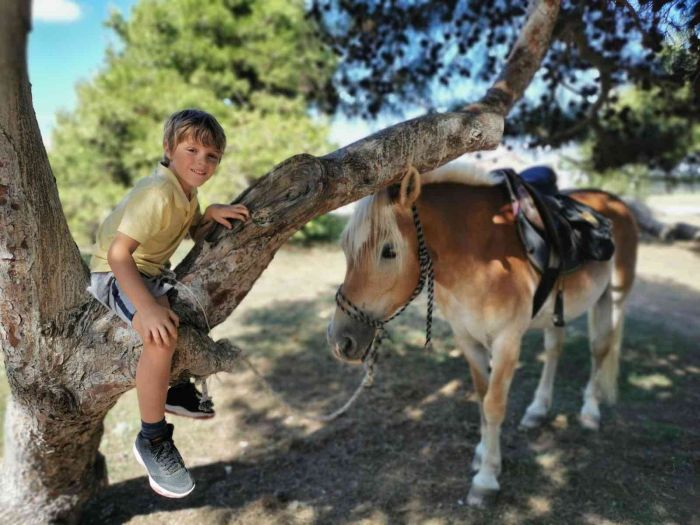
x=167 y=473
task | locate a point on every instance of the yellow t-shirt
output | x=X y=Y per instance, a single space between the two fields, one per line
x=157 y=214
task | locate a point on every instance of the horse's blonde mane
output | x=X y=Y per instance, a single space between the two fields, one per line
x=374 y=221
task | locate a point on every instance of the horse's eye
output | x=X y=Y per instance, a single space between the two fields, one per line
x=388 y=252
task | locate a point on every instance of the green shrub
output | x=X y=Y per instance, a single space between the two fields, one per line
x=323 y=229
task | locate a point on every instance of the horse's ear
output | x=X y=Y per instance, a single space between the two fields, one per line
x=406 y=192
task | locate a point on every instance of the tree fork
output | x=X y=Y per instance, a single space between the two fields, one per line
x=68 y=361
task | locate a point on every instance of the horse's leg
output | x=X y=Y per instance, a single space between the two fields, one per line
x=478 y=359
x=542 y=402
x=605 y=334
x=505 y=353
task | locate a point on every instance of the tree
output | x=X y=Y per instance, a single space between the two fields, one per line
x=412 y=54
x=66 y=366
x=256 y=65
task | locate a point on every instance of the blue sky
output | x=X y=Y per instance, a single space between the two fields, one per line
x=67 y=44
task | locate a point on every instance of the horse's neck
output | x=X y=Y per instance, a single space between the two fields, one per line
x=461 y=217
x=480 y=264
x=467 y=227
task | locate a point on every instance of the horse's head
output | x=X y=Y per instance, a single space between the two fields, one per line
x=382 y=267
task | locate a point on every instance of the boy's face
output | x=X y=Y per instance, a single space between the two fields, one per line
x=192 y=163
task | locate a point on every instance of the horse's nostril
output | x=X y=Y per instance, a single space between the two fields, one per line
x=347 y=345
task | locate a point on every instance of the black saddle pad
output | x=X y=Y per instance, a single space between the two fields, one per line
x=542 y=178
x=584 y=234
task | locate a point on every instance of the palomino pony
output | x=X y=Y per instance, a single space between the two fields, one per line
x=484 y=286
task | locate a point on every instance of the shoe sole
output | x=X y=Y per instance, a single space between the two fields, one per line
x=179 y=411
x=157 y=488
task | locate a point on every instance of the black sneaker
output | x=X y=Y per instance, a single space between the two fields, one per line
x=185 y=400
x=167 y=473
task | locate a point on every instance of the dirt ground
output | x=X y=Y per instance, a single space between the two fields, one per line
x=401 y=454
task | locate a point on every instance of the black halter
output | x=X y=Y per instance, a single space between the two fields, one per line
x=426 y=274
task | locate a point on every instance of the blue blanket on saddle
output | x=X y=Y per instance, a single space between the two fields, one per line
x=542 y=178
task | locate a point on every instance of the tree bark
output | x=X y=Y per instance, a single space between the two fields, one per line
x=68 y=361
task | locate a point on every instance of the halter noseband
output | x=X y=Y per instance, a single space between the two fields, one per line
x=426 y=274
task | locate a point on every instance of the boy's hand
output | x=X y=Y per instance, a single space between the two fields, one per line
x=159 y=324
x=221 y=212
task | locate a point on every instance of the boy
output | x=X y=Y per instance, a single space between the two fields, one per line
x=133 y=245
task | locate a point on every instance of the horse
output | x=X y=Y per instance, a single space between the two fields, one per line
x=484 y=287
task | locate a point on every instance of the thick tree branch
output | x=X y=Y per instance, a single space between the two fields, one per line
x=68 y=361
x=525 y=57
x=222 y=269
x=88 y=382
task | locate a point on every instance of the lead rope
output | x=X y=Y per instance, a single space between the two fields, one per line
x=366 y=382
x=426 y=265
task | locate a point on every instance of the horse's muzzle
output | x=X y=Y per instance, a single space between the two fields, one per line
x=344 y=346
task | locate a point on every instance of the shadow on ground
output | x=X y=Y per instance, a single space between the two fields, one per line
x=401 y=454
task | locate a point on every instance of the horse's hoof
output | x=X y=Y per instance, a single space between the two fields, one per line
x=589 y=422
x=530 y=421
x=481 y=496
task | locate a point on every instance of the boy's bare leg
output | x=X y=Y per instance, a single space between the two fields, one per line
x=166 y=470
x=153 y=373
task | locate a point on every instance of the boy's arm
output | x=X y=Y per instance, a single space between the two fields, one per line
x=157 y=321
x=220 y=213
x=201 y=226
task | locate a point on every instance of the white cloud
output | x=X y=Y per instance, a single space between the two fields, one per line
x=56 y=11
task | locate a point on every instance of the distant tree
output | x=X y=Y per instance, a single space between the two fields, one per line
x=645 y=126
x=399 y=56
x=257 y=65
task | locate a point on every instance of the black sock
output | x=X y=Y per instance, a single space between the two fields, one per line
x=152 y=431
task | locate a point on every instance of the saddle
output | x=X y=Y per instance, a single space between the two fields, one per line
x=559 y=234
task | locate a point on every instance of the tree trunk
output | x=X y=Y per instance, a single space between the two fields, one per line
x=51 y=466
x=68 y=361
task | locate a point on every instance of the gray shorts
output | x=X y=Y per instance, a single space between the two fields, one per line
x=105 y=288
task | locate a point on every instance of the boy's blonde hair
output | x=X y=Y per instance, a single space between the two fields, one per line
x=194 y=124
